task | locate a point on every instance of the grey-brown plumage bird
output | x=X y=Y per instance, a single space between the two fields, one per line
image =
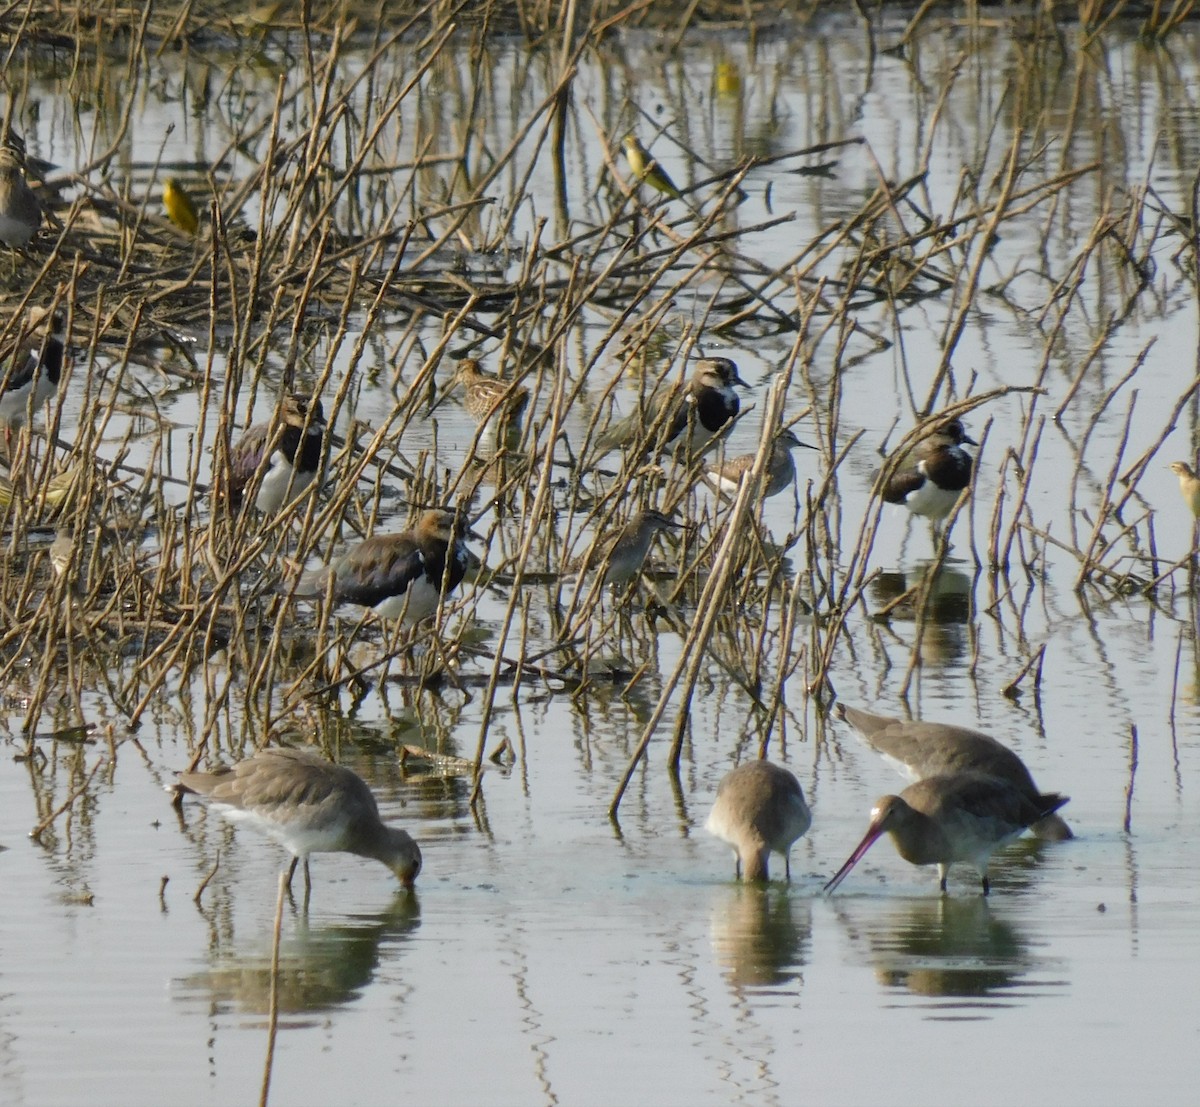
x=622 y=551
x=779 y=475
x=932 y=475
x=759 y=810
x=288 y=451
x=921 y=749
x=20 y=212
x=399 y=576
x=702 y=407
x=955 y=817
x=308 y=805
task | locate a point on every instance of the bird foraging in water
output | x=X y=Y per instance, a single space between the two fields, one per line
x=921 y=749
x=399 y=576
x=759 y=810
x=179 y=206
x=646 y=169
x=956 y=817
x=30 y=374
x=778 y=476
x=705 y=404
x=289 y=455
x=931 y=476
x=20 y=212
x=308 y=805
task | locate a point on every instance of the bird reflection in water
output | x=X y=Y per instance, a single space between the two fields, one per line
x=760 y=937
x=948 y=610
x=320 y=967
x=949 y=947
x=952 y=948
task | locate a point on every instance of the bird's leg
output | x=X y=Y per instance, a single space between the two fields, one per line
x=737 y=867
x=986 y=886
x=292 y=872
x=943 y=871
x=787 y=867
x=307 y=879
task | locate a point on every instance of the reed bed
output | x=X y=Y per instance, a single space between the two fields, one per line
x=358 y=228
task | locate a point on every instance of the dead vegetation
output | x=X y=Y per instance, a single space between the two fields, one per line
x=362 y=230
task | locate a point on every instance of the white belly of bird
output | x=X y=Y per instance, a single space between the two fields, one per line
x=419 y=602
x=14 y=232
x=931 y=501
x=275 y=491
x=15 y=402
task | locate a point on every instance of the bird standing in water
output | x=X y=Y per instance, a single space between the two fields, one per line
x=702 y=407
x=759 y=810
x=20 y=212
x=920 y=750
x=399 y=576
x=494 y=403
x=308 y=805
x=780 y=473
x=956 y=817
x=623 y=551
x=289 y=453
x=931 y=476
x=30 y=374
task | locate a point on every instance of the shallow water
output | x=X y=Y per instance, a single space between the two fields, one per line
x=550 y=956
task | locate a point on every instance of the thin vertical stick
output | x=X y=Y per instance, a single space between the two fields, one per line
x=273 y=1016
x=1133 y=760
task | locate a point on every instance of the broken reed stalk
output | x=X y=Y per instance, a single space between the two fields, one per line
x=1012 y=689
x=1133 y=764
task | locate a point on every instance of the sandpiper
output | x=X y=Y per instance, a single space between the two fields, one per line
x=20 y=212
x=623 y=552
x=707 y=403
x=930 y=477
x=920 y=750
x=1189 y=485
x=646 y=169
x=497 y=405
x=955 y=817
x=29 y=376
x=400 y=576
x=297 y=448
x=780 y=472
x=486 y=396
x=759 y=810
x=308 y=805
x=179 y=206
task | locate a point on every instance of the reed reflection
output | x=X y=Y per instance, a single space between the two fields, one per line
x=940 y=601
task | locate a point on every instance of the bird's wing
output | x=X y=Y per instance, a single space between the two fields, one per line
x=377 y=569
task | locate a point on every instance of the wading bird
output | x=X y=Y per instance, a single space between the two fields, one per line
x=308 y=805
